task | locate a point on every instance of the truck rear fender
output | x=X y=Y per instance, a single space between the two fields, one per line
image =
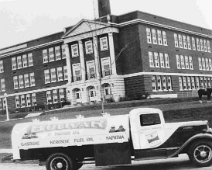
x=185 y=146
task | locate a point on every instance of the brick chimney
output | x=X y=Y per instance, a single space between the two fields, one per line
x=104 y=8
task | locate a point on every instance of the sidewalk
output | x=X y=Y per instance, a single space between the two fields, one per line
x=5 y=151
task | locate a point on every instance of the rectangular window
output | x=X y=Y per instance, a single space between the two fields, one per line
x=205 y=46
x=184 y=83
x=91 y=69
x=65 y=72
x=55 y=96
x=156 y=59
x=180 y=41
x=191 y=63
x=51 y=54
x=159 y=83
x=169 y=80
x=74 y=50
x=189 y=83
x=184 y=42
x=192 y=83
x=1 y=66
x=149 y=37
x=58 y=53
x=178 y=61
x=200 y=63
x=77 y=72
x=62 y=95
x=161 y=60
x=49 y=97
x=15 y=81
x=198 y=44
x=210 y=64
x=154 y=88
x=193 y=43
x=2 y=84
x=164 y=83
x=59 y=74
x=201 y=45
x=201 y=82
x=203 y=63
x=21 y=81
x=103 y=44
x=189 y=42
x=28 y=100
x=23 y=102
x=197 y=83
x=34 y=101
x=17 y=102
x=176 y=40
x=209 y=46
x=45 y=56
x=186 y=62
x=19 y=61
x=182 y=62
x=164 y=38
x=24 y=58
x=106 y=66
x=209 y=82
x=14 y=65
x=206 y=64
x=88 y=47
x=151 y=60
x=167 y=60
x=160 y=42
x=47 y=76
x=26 y=80
x=30 y=60
x=53 y=75
x=154 y=37
x=32 y=79
x=64 y=51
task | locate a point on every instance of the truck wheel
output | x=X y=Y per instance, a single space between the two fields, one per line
x=59 y=161
x=200 y=153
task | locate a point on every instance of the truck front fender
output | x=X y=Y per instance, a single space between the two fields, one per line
x=207 y=136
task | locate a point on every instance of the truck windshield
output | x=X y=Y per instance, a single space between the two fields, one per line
x=149 y=119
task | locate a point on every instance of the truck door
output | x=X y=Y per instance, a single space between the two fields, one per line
x=147 y=128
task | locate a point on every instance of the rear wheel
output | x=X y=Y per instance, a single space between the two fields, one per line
x=200 y=153
x=59 y=161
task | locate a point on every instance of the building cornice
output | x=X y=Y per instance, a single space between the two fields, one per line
x=137 y=21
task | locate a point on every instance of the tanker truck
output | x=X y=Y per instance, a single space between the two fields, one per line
x=111 y=140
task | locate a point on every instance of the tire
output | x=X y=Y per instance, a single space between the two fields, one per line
x=200 y=153
x=59 y=161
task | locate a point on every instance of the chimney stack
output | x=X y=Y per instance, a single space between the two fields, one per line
x=104 y=8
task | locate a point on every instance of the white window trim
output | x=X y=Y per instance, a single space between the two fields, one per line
x=73 y=52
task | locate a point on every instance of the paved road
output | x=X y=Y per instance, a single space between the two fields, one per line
x=181 y=163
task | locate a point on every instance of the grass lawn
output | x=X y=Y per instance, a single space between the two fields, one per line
x=179 y=111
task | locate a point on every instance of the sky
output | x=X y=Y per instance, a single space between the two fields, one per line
x=24 y=20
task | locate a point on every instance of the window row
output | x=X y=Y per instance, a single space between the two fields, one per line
x=161 y=83
x=155 y=36
x=187 y=42
x=2 y=104
x=26 y=60
x=184 y=62
x=158 y=60
x=25 y=100
x=55 y=74
x=205 y=64
x=89 y=47
x=2 y=85
x=194 y=82
x=54 y=53
x=55 y=96
x=1 y=66
x=24 y=81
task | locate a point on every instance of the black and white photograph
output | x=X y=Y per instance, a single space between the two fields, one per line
x=105 y=84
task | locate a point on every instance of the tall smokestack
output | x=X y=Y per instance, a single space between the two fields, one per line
x=104 y=8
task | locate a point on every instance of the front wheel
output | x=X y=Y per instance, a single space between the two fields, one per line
x=59 y=161
x=200 y=153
